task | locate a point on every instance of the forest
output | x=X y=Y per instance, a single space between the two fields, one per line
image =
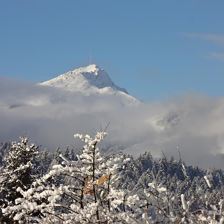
x=91 y=185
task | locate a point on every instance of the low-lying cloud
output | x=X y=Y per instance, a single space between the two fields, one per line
x=193 y=124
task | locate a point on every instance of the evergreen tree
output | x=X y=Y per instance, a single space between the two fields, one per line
x=16 y=173
x=88 y=197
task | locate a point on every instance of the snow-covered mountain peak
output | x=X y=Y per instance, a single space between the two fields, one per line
x=90 y=78
x=92 y=68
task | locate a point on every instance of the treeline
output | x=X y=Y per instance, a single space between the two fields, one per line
x=38 y=186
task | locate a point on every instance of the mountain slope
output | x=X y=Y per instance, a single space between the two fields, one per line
x=89 y=80
x=84 y=78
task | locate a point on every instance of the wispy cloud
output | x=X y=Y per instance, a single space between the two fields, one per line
x=211 y=37
x=217 y=55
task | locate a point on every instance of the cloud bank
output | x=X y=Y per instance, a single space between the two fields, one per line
x=193 y=124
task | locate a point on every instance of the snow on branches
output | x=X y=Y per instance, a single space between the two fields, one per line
x=80 y=191
x=17 y=173
x=93 y=187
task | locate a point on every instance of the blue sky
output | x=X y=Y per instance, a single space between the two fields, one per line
x=156 y=49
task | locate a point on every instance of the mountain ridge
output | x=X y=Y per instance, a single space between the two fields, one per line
x=89 y=80
x=87 y=76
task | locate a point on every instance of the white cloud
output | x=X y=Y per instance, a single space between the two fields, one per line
x=211 y=37
x=217 y=55
x=214 y=38
x=50 y=117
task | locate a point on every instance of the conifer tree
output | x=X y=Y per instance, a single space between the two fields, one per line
x=16 y=173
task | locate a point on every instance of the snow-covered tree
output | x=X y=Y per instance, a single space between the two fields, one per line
x=93 y=187
x=16 y=173
x=85 y=194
